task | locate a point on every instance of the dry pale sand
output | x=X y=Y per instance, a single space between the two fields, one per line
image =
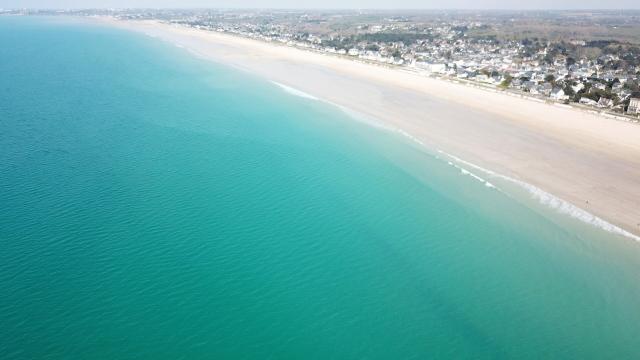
x=585 y=159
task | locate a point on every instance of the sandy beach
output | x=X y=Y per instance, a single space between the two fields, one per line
x=585 y=159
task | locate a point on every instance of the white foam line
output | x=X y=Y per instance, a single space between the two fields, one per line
x=552 y=201
x=421 y=143
x=464 y=171
x=197 y=54
x=295 y=92
x=354 y=115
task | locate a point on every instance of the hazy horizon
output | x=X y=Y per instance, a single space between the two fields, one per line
x=329 y=4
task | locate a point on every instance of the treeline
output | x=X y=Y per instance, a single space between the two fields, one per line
x=628 y=54
x=593 y=93
x=390 y=37
x=372 y=38
x=601 y=44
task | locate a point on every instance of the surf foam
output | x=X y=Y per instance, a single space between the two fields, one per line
x=554 y=202
x=295 y=92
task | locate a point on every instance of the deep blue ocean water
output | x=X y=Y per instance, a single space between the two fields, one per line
x=157 y=206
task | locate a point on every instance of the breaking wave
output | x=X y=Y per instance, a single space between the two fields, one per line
x=295 y=92
x=560 y=205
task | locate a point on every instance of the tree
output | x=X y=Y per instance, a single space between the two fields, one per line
x=506 y=82
x=372 y=47
x=568 y=90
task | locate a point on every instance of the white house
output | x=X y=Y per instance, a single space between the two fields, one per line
x=587 y=101
x=605 y=103
x=482 y=78
x=578 y=87
x=434 y=68
x=634 y=106
x=600 y=86
x=558 y=94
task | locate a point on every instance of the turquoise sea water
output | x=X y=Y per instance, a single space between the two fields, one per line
x=157 y=206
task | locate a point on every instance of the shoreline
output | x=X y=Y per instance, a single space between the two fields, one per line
x=542 y=197
x=604 y=113
x=579 y=157
x=463 y=82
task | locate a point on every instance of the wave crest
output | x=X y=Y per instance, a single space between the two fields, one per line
x=295 y=92
x=560 y=205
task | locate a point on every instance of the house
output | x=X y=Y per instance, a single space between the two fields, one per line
x=354 y=52
x=600 y=86
x=558 y=94
x=546 y=89
x=437 y=68
x=605 y=103
x=532 y=87
x=623 y=95
x=587 y=101
x=481 y=78
x=434 y=68
x=578 y=87
x=634 y=106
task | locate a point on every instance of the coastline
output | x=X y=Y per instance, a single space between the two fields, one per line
x=584 y=159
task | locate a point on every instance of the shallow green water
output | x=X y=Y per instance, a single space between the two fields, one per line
x=156 y=206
